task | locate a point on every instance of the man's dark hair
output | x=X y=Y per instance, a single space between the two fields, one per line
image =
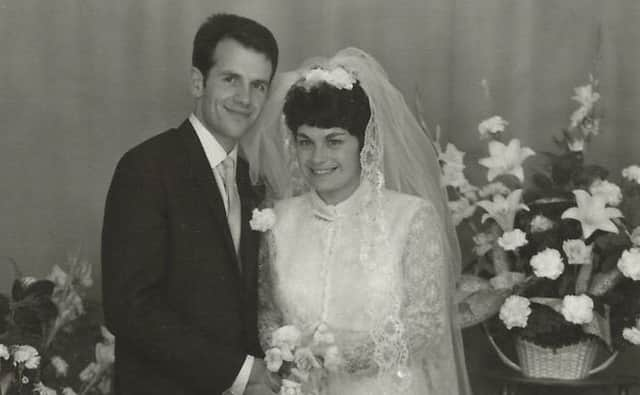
x=326 y=106
x=246 y=31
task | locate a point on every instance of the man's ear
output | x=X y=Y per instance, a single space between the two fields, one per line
x=197 y=82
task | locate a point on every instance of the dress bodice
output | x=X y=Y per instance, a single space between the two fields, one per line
x=372 y=269
x=318 y=260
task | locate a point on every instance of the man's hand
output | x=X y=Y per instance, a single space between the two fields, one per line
x=261 y=378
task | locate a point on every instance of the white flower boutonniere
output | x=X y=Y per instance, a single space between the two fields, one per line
x=262 y=220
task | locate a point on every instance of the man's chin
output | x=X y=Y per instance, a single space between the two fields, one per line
x=236 y=132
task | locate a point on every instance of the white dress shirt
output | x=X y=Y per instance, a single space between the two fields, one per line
x=215 y=155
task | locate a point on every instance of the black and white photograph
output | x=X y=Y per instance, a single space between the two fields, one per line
x=338 y=197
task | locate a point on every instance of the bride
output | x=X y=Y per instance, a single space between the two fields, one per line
x=362 y=244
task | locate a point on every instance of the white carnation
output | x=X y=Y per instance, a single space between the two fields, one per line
x=4 y=352
x=577 y=309
x=28 y=355
x=611 y=193
x=632 y=173
x=493 y=125
x=540 y=223
x=262 y=220
x=577 y=252
x=632 y=335
x=512 y=240
x=629 y=263
x=515 y=311
x=547 y=263
x=60 y=365
x=506 y=280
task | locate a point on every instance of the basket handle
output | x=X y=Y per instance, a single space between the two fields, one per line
x=604 y=364
x=501 y=355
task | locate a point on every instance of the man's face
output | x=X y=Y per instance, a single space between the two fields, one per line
x=234 y=93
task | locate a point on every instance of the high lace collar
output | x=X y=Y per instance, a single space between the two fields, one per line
x=349 y=206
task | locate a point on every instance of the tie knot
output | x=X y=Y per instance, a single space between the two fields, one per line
x=229 y=166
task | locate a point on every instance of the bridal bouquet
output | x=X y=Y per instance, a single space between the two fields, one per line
x=42 y=324
x=556 y=252
x=302 y=360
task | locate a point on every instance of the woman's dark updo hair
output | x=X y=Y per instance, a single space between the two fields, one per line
x=326 y=106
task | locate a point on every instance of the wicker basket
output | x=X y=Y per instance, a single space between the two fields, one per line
x=568 y=362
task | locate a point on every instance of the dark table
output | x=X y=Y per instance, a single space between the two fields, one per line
x=510 y=381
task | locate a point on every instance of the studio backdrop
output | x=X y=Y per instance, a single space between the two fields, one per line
x=81 y=81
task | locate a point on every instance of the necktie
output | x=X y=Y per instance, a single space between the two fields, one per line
x=233 y=199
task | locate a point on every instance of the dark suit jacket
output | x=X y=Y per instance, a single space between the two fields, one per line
x=183 y=315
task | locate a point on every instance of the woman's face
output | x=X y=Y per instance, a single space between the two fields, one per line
x=330 y=161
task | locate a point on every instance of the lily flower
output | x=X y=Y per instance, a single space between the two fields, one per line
x=503 y=210
x=506 y=159
x=592 y=213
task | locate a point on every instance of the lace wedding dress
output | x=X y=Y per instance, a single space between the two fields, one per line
x=384 y=299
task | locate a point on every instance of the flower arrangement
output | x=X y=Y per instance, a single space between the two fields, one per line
x=556 y=253
x=47 y=328
x=302 y=360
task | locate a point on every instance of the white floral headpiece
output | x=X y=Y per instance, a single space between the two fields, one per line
x=338 y=77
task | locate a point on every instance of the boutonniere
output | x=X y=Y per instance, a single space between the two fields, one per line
x=262 y=220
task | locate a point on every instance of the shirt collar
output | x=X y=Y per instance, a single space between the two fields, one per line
x=349 y=206
x=212 y=148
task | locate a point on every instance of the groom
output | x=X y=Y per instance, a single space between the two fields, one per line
x=178 y=255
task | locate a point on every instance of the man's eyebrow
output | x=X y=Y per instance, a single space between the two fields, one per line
x=229 y=73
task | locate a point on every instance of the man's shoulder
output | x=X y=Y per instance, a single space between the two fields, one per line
x=160 y=147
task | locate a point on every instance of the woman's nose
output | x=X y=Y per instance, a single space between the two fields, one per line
x=319 y=154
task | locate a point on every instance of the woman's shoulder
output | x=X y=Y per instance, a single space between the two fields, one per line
x=410 y=205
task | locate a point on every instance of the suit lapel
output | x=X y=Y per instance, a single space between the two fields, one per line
x=206 y=182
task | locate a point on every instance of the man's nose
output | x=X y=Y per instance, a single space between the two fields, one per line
x=242 y=94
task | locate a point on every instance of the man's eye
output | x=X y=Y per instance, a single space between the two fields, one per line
x=335 y=142
x=230 y=79
x=261 y=86
x=303 y=143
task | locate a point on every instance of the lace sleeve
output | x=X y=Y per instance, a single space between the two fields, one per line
x=269 y=315
x=424 y=310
